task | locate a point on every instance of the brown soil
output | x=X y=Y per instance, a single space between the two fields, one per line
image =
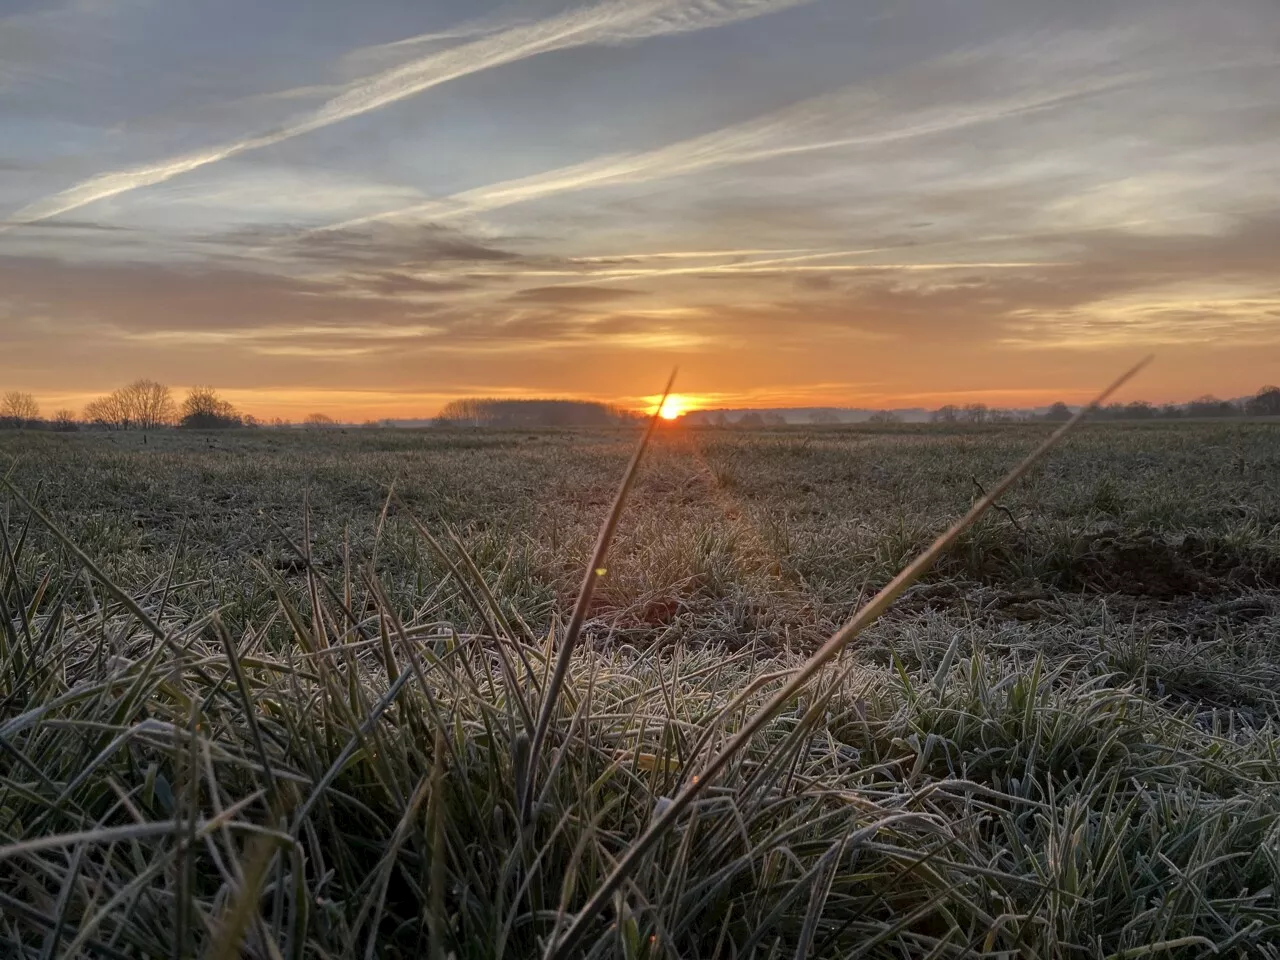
x=1147 y=565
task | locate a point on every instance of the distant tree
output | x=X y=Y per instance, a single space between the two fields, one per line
x=826 y=417
x=204 y=409
x=1002 y=416
x=150 y=404
x=497 y=412
x=319 y=420
x=883 y=416
x=974 y=413
x=1211 y=406
x=1266 y=403
x=64 y=421
x=773 y=419
x=1170 y=411
x=715 y=418
x=460 y=413
x=750 y=420
x=108 y=412
x=945 y=414
x=142 y=405
x=1058 y=413
x=18 y=409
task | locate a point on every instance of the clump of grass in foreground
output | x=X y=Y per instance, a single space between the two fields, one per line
x=317 y=787
x=331 y=781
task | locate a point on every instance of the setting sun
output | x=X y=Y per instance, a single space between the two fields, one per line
x=673 y=407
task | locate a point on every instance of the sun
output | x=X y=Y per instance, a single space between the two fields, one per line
x=673 y=407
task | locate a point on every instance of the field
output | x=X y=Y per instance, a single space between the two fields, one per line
x=264 y=708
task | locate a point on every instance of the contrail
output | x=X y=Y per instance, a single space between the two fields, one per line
x=803 y=128
x=610 y=22
x=856 y=117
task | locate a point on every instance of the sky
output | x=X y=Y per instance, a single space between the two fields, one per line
x=371 y=209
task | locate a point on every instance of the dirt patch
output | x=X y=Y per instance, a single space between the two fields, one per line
x=1144 y=565
x=1147 y=565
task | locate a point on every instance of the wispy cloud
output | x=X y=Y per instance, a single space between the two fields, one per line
x=775 y=266
x=895 y=110
x=616 y=21
x=1178 y=313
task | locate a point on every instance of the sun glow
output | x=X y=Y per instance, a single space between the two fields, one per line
x=673 y=407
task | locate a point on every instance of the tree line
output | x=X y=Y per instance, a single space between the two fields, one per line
x=148 y=405
x=141 y=405
x=493 y=412
x=1265 y=403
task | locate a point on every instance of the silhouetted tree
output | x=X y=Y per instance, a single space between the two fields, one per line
x=825 y=417
x=142 y=405
x=974 y=413
x=1211 y=406
x=107 y=412
x=18 y=409
x=1058 y=413
x=883 y=416
x=205 y=410
x=319 y=421
x=64 y=421
x=750 y=420
x=492 y=412
x=1265 y=404
x=150 y=404
x=945 y=414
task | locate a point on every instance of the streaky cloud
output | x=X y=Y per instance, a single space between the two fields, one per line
x=610 y=22
x=854 y=117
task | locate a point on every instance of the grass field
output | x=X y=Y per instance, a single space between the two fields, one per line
x=277 y=714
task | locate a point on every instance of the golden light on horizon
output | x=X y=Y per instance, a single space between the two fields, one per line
x=674 y=407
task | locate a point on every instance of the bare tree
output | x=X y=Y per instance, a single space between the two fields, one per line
x=974 y=413
x=497 y=412
x=205 y=410
x=945 y=414
x=150 y=404
x=883 y=416
x=1211 y=406
x=319 y=420
x=108 y=412
x=65 y=421
x=142 y=405
x=1265 y=404
x=17 y=409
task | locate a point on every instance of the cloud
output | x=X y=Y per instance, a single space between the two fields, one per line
x=1012 y=79
x=611 y=22
x=400 y=245
x=569 y=295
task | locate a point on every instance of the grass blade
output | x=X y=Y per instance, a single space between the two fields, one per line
x=825 y=654
x=595 y=570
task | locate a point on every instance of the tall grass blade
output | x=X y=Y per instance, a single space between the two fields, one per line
x=694 y=787
x=595 y=570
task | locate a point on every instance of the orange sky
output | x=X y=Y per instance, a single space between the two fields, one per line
x=796 y=202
